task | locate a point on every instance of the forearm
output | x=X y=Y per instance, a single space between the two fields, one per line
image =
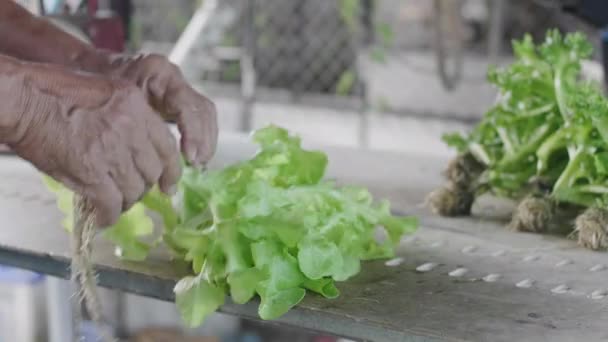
x=27 y=37
x=11 y=84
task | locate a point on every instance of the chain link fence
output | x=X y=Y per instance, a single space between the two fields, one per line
x=307 y=46
x=425 y=57
x=332 y=47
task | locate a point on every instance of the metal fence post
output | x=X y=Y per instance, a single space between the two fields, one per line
x=496 y=29
x=248 y=72
x=365 y=16
x=191 y=33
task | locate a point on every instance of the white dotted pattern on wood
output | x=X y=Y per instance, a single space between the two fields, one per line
x=470 y=254
x=528 y=261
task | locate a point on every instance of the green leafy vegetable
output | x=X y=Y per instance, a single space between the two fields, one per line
x=272 y=226
x=547 y=135
x=541 y=98
x=190 y=292
x=269 y=226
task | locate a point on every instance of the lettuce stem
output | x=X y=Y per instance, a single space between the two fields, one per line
x=560 y=94
x=528 y=149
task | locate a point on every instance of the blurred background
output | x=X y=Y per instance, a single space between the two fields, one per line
x=379 y=74
x=373 y=74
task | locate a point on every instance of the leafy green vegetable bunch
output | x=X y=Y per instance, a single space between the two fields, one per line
x=539 y=94
x=545 y=141
x=269 y=226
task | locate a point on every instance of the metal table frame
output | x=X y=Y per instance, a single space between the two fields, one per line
x=455 y=280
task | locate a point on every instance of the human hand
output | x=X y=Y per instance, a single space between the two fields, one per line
x=97 y=136
x=169 y=93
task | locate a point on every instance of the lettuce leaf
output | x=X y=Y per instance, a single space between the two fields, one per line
x=269 y=226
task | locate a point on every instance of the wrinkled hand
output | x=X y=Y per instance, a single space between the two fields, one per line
x=168 y=92
x=97 y=136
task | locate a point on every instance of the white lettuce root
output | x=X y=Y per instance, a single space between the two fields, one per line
x=450 y=200
x=456 y=196
x=591 y=228
x=533 y=214
x=463 y=171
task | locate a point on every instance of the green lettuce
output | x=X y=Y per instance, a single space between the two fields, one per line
x=270 y=226
x=540 y=97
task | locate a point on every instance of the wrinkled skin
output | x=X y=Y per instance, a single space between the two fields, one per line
x=93 y=120
x=175 y=100
x=104 y=141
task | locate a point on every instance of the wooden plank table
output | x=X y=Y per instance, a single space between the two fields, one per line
x=455 y=280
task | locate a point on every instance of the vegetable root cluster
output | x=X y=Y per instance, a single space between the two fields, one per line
x=544 y=143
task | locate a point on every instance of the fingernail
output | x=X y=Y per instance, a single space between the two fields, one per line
x=191 y=155
x=173 y=190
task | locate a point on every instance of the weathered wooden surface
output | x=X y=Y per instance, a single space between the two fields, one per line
x=565 y=301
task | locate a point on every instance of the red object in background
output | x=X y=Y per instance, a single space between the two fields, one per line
x=105 y=28
x=325 y=339
x=107 y=33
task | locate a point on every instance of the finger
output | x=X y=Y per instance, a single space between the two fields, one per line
x=190 y=129
x=199 y=133
x=211 y=136
x=166 y=148
x=189 y=148
x=126 y=176
x=146 y=160
x=131 y=183
x=97 y=189
x=106 y=199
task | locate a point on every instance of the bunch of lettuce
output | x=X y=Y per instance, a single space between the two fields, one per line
x=545 y=141
x=534 y=100
x=269 y=226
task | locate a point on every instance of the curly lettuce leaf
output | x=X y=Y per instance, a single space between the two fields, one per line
x=269 y=227
x=196 y=299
